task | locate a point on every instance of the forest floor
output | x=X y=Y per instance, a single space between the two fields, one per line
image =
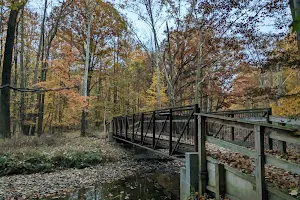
x=35 y=179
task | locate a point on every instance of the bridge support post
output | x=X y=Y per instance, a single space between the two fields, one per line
x=132 y=136
x=153 y=131
x=120 y=126
x=116 y=126
x=270 y=140
x=189 y=176
x=126 y=127
x=142 y=127
x=282 y=144
x=111 y=131
x=197 y=110
x=220 y=181
x=203 y=175
x=232 y=129
x=170 y=133
x=261 y=190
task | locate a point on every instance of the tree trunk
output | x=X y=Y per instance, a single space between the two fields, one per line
x=15 y=81
x=104 y=116
x=157 y=51
x=22 y=74
x=280 y=90
x=209 y=97
x=1 y=31
x=41 y=56
x=172 y=95
x=198 y=87
x=85 y=79
x=6 y=75
x=115 y=83
x=41 y=41
x=50 y=38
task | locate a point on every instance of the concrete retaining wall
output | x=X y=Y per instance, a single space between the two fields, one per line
x=234 y=184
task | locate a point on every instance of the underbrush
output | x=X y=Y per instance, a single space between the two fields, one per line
x=25 y=155
x=40 y=162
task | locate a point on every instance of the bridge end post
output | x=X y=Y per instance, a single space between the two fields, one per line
x=270 y=140
x=260 y=163
x=232 y=129
x=126 y=127
x=170 y=133
x=132 y=135
x=153 y=131
x=203 y=175
x=142 y=128
x=197 y=110
x=111 y=131
x=189 y=176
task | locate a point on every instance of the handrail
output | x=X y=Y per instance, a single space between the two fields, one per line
x=238 y=121
x=174 y=109
x=190 y=107
x=242 y=110
x=285 y=120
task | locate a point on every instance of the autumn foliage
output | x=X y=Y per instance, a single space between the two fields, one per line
x=225 y=43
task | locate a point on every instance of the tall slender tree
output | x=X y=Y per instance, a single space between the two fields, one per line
x=89 y=15
x=7 y=68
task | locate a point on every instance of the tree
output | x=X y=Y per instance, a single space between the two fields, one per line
x=106 y=25
x=89 y=14
x=152 y=102
x=150 y=11
x=295 y=10
x=7 y=67
x=47 y=44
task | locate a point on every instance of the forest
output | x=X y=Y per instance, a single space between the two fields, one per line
x=74 y=64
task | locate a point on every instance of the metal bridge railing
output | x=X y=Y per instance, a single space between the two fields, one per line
x=164 y=128
x=176 y=128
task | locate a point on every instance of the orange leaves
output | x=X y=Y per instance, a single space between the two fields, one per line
x=63 y=106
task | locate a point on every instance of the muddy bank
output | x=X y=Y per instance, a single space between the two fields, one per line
x=61 y=183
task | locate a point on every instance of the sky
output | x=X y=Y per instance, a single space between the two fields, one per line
x=141 y=28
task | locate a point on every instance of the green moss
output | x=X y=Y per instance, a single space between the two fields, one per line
x=37 y=162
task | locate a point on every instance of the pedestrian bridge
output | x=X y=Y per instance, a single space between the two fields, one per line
x=185 y=134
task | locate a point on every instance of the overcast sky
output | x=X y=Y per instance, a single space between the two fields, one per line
x=142 y=29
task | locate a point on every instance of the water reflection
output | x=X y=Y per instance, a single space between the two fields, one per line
x=152 y=186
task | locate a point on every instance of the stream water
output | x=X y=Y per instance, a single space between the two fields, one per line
x=150 y=186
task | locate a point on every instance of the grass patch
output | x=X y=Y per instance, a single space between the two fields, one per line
x=26 y=155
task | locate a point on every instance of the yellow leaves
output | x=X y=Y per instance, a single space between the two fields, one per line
x=17 y=4
x=152 y=95
x=288 y=106
x=290 y=80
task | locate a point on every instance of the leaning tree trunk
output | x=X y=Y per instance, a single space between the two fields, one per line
x=6 y=75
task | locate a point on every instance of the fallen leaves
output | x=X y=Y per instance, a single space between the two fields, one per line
x=294 y=192
x=276 y=176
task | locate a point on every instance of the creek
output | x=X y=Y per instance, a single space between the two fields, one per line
x=148 y=186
